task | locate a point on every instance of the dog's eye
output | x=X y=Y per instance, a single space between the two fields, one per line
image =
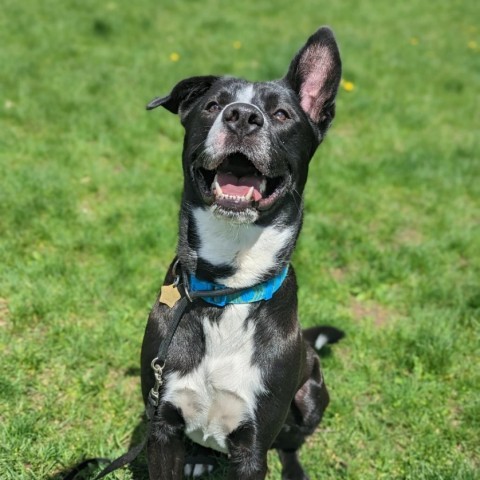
x=281 y=115
x=213 y=107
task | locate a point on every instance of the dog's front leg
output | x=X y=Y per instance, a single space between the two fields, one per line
x=248 y=459
x=165 y=446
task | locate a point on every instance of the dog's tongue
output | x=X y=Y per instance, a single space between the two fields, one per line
x=240 y=186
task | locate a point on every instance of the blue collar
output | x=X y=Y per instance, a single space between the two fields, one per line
x=261 y=291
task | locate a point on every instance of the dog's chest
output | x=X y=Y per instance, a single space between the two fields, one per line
x=221 y=392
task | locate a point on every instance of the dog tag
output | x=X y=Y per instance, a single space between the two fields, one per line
x=169 y=295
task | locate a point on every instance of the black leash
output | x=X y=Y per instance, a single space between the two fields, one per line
x=84 y=465
x=158 y=364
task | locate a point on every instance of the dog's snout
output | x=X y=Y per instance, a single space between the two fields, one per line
x=242 y=118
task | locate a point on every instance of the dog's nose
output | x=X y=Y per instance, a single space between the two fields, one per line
x=242 y=118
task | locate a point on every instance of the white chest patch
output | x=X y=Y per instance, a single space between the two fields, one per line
x=251 y=249
x=221 y=392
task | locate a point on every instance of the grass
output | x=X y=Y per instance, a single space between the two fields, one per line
x=390 y=251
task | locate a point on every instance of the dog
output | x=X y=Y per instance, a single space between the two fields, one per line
x=241 y=377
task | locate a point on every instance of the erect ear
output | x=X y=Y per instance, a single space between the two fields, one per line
x=315 y=74
x=183 y=94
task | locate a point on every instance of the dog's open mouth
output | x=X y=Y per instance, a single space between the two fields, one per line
x=236 y=184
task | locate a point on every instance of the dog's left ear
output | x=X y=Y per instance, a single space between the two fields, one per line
x=183 y=94
x=314 y=75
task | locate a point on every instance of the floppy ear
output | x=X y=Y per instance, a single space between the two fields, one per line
x=183 y=94
x=314 y=75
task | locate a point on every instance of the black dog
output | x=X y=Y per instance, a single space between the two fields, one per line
x=240 y=376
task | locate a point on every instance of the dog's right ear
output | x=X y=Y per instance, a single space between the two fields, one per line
x=183 y=94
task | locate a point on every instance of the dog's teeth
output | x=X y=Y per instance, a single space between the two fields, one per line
x=218 y=188
x=263 y=185
x=234 y=198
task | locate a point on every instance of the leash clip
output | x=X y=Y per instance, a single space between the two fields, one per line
x=158 y=373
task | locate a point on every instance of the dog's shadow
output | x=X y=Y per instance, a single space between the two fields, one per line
x=325 y=352
x=88 y=469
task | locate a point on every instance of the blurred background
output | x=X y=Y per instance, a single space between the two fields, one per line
x=390 y=252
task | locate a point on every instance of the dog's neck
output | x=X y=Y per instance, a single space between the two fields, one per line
x=235 y=255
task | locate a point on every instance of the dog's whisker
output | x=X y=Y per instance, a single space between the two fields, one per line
x=300 y=203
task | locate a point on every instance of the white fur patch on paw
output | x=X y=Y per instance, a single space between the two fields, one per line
x=196 y=470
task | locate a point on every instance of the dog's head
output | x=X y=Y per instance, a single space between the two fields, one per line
x=248 y=145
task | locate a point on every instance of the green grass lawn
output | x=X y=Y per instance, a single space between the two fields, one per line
x=390 y=251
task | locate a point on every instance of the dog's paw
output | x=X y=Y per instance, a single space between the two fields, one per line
x=197 y=469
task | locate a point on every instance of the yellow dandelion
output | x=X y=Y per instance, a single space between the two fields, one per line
x=472 y=44
x=237 y=45
x=174 y=57
x=414 y=41
x=347 y=85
